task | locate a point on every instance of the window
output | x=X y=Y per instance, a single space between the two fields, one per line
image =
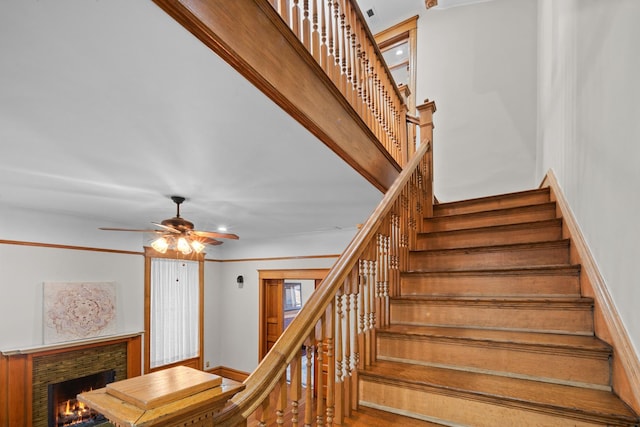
x=173 y=310
x=292 y=296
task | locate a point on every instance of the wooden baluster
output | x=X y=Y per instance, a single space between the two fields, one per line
x=340 y=365
x=324 y=50
x=306 y=26
x=404 y=230
x=372 y=312
x=354 y=56
x=348 y=53
x=384 y=292
x=357 y=75
x=320 y=389
x=264 y=412
x=331 y=59
x=366 y=105
x=336 y=28
x=315 y=35
x=351 y=328
x=371 y=291
x=362 y=310
x=295 y=367
x=343 y=43
x=281 y=400
x=308 y=401
x=285 y=10
x=375 y=92
x=295 y=19
x=331 y=362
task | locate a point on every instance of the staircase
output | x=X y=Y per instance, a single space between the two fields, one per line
x=490 y=328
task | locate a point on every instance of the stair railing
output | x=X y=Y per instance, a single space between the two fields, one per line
x=336 y=35
x=337 y=326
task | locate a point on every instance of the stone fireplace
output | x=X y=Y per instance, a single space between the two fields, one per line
x=29 y=378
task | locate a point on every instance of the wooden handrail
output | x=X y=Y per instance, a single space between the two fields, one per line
x=339 y=319
x=337 y=36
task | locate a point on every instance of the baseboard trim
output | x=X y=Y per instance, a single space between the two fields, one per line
x=608 y=325
x=230 y=373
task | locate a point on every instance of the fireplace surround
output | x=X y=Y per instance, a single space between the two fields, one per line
x=25 y=375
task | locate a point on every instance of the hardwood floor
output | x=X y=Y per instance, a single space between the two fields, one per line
x=368 y=417
x=363 y=417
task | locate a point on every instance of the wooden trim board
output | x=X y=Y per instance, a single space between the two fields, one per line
x=608 y=325
x=226 y=372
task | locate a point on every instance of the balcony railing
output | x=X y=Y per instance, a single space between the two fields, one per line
x=336 y=35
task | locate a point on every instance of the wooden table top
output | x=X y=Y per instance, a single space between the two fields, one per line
x=154 y=399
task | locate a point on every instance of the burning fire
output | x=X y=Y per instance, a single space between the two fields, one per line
x=74 y=412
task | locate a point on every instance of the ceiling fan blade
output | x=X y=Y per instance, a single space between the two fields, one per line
x=166 y=227
x=214 y=234
x=210 y=241
x=130 y=229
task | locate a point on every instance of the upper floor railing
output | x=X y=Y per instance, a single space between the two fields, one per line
x=336 y=35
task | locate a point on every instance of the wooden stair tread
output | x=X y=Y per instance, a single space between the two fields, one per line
x=496 y=212
x=497 y=197
x=581 y=342
x=517 y=226
x=573 y=269
x=552 y=398
x=504 y=300
x=495 y=248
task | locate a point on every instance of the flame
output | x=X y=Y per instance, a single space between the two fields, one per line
x=67 y=410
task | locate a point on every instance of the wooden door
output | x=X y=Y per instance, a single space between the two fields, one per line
x=272 y=302
x=273 y=313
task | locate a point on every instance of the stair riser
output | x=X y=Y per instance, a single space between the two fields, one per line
x=562 y=318
x=492 y=258
x=511 y=360
x=486 y=285
x=484 y=205
x=483 y=220
x=488 y=237
x=435 y=405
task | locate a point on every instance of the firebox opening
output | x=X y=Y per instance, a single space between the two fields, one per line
x=66 y=410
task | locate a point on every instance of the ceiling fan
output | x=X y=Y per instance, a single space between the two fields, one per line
x=178 y=233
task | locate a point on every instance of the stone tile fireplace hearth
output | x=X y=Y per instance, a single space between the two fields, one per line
x=28 y=376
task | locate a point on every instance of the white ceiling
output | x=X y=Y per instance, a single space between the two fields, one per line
x=109 y=107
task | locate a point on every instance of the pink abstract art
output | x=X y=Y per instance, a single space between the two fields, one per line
x=74 y=311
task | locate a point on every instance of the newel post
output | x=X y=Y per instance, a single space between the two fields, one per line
x=425 y=112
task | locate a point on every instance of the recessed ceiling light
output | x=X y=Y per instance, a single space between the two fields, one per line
x=222 y=228
x=399 y=52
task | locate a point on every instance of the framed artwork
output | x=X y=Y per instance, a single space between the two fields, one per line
x=78 y=310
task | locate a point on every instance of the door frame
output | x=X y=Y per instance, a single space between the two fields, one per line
x=317 y=274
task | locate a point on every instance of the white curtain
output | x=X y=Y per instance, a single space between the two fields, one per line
x=174 y=311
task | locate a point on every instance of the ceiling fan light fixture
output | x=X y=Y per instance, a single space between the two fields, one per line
x=183 y=246
x=161 y=245
x=197 y=246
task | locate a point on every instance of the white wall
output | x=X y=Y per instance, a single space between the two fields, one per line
x=231 y=313
x=25 y=268
x=478 y=63
x=238 y=308
x=590 y=132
